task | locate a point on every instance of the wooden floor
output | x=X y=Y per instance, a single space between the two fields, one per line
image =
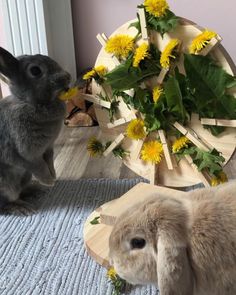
x=72 y=144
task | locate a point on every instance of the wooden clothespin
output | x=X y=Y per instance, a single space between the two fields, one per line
x=153 y=174
x=205 y=180
x=143 y=24
x=213 y=43
x=4 y=79
x=114 y=144
x=102 y=38
x=94 y=99
x=218 y=122
x=135 y=154
x=121 y=121
x=161 y=76
x=166 y=149
x=191 y=137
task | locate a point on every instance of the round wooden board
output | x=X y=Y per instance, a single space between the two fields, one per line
x=183 y=175
x=96 y=237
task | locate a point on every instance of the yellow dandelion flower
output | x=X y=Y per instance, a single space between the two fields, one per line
x=180 y=143
x=97 y=71
x=214 y=181
x=101 y=70
x=167 y=53
x=111 y=274
x=94 y=147
x=140 y=54
x=157 y=8
x=152 y=151
x=89 y=75
x=201 y=41
x=156 y=93
x=135 y=129
x=68 y=94
x=222 y=177
x=120 y=45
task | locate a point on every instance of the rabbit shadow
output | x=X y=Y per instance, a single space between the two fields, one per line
x=86 y=194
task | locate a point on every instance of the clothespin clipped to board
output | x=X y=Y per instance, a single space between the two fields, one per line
x=143 y=25
x=4 y=79
x=205 y=180
x=212 y=44
x=102 y=38
x=191 y=137
x=218 y=122
x=167 y=154
x=114 y=144
x=94 y=99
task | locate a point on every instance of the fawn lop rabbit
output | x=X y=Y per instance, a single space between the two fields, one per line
x=184 y=245
x=30 y=121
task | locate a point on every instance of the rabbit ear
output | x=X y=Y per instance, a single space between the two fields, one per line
x=9 y=65
x=173 y=270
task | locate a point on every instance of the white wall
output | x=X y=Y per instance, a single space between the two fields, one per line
x=95 y=16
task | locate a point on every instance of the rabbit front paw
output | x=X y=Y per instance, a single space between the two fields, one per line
x=19 y=208
x=48 y=181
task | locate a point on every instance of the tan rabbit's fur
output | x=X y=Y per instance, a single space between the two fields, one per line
x=190 y=243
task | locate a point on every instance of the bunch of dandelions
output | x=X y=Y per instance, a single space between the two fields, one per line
x=96 y=148
x=117 y=282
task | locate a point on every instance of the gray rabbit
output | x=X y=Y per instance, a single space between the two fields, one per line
x=30 y=121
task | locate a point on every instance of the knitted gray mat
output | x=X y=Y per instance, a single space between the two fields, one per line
x=44 y=253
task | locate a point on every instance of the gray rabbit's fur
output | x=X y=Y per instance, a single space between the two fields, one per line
x=30 y=121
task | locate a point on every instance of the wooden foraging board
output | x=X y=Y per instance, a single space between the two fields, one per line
x=96 y=237
x=183 y=175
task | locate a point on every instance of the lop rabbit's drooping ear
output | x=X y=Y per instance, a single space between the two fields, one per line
x=174 y=275
x=9 y=65
x=173 y=270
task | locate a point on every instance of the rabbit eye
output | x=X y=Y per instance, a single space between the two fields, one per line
x=137 y=243
x=35 y=71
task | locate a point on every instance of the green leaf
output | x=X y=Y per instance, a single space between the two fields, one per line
x=208 y=84
x=163 y=24
x=174 y=99
x=211 y=160
x=95 y=220
x=136 y=25
x=208 y=79
x=152 y=123
x=125 y=76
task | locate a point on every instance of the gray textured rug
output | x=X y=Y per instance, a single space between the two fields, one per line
x=44 y=253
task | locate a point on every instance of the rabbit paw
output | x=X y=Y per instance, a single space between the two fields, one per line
x=19 y=208
x=47 y=181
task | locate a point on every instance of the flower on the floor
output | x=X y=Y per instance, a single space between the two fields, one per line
x=219 y=179
x=96 y=73
x=156 y=93
x=95 y=147
x=140 y=54
x=136 y=130
x=168 y=53
x=180 y=143
x=156 y=8
x=116 y=281
x=68 y=94
x=201 y=41
x=120 y=45
x=152 y=151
